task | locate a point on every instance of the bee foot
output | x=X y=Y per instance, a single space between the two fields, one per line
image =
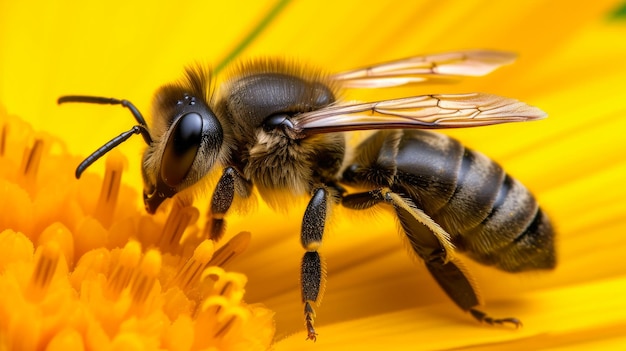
x=483 y=317
x=309 y=315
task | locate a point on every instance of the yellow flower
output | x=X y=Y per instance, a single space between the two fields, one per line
x=78 y=270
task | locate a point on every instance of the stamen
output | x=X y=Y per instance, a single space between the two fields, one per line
x=89 y=266
x=210 y=308
x=110 y=188
x=30 y=165
x=3 y=138
x=146 y=276
x=226 y=326
x=216 y=319
x=231 y=286
x=189 y=274
x=230 y=319
x=233 y=248
x=59 y=234
x=124 y=268
x=213 y=273
x=181 y=216
x=46 y=262
x=215 y=282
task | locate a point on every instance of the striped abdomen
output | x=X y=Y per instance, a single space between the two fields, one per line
x=490 y=216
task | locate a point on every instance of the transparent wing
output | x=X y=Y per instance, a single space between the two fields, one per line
x=419 y=112
x=420 y=68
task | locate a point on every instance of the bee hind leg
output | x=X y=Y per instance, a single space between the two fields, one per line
x=432 y=244
x=454 y=279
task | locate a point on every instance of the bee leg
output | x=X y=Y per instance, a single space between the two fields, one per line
x=433 y=240
x=230 y=182
x=313 y=273
x=431 y=243
x=453 y=278
x=483 y=317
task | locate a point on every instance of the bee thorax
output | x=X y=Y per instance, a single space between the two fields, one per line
x=279 y=163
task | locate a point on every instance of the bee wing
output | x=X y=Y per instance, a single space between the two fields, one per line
x=418 y=112
x=420 y=68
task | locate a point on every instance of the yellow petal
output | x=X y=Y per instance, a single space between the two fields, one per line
x=572 y=317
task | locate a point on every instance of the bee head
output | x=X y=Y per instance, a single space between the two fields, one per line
x=184 y=142
x=190 y=143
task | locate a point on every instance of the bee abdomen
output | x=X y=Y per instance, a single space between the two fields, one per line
x=490 y=215
x=532 y=249
x=478 y=184
x=516 y=236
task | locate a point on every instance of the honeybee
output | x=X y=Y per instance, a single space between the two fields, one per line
x=279 y=126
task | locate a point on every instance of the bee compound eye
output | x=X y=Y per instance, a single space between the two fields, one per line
x=181 y=148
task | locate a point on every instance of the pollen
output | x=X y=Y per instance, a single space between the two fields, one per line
x=85 y=270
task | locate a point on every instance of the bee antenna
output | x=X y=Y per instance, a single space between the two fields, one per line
x=138 y=129
x=112 y=101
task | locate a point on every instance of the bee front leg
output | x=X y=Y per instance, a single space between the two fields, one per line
x=313 y=273
x=230 y=182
